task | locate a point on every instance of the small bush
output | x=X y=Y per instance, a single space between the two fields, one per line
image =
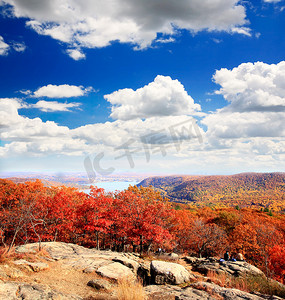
x=6 y=255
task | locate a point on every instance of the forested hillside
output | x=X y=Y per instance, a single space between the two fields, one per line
x=255 y=190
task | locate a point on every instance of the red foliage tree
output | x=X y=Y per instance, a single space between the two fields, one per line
x=277 y=262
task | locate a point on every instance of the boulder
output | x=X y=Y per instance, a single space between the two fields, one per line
x=127 y=262
x=99 y=284
x=233 y=268
x=163 y=272
x=115 y=271
x=241 y=268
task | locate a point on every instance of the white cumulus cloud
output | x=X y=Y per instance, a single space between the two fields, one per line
x=95 y=24
x=162 y=97
x=253 y=86
x=52 y=106
x=34 y=137
x=61 y=91
x=256 y=96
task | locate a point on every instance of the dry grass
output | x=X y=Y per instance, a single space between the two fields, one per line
x=228 y=281
x=7 y=256
x=162 y=257
x=262 y=285
x=130 y=290
x=222 y=279
x=248 y=284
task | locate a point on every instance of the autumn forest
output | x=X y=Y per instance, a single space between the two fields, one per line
x=140 y=219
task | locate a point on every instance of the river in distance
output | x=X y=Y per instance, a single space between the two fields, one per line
x=112 y=186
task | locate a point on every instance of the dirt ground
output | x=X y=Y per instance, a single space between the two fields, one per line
x=66 y=280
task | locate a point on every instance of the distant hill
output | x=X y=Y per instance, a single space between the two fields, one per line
x=47 y=183
x=256 y=190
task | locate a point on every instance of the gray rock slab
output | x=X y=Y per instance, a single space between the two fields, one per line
x=166 y=272
x=159 y=292
x=21 y=291
x=99 y=284
x=226 y=293
x=234 y=268
x=132 y=264
x=115 y=271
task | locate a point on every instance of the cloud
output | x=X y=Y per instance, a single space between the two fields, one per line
x=75 y=54
x=61 y=91
x=33 y=137
x=253 y=86
x=156 y=130
x=19 y=47
x=272 y=1
x=4 y=48
x=256 y=109
x=96 y=24
x=162 y=97
x=165 y=40
x=25 y=92
x=236 y=139
x=9 y=111
x=234 y=125
x=242 y=30
x=52 y=106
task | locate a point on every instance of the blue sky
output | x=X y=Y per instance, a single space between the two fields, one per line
x=84 y=78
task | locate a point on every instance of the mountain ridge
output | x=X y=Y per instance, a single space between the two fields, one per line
x=259 y=190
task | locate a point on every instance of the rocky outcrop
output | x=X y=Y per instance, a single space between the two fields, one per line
x=165 y=272
x=233 y=268
x=132 y=264
x=22 y=291
x=99 y=272
x=229 y=293
x=159 y=292
x=201 y=291
x=115 y=271
x=80 y=258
